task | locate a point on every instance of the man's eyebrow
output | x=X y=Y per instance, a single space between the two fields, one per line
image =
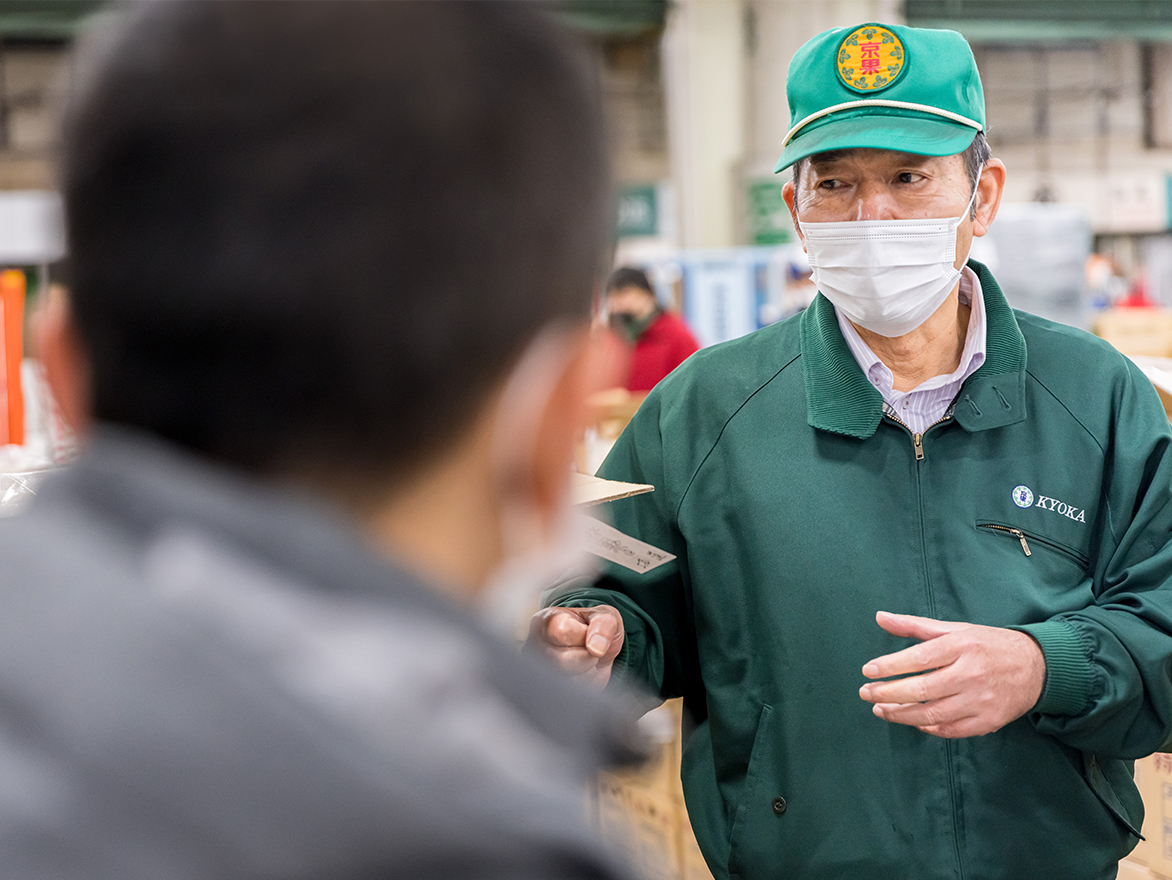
x=821 y=160
x=831 y=157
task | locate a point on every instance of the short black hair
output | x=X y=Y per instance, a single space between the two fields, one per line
x=326 y=230
x=626 y=276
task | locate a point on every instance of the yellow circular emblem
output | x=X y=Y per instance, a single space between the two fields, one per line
x=870 y=58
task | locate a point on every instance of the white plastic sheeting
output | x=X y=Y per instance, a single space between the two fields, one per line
x=32 y=230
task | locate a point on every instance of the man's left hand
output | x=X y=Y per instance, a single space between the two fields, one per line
x=963 y=679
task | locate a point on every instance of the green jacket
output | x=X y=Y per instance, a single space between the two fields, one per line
x=797 y=510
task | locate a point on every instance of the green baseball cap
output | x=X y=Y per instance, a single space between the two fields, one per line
x=883 y=86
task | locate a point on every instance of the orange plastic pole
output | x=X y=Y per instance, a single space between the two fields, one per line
x=12 y=292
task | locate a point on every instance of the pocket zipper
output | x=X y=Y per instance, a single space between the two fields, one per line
x=1082 y=561
x=1017 y=533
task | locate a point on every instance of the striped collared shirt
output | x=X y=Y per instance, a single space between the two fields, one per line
x=928 y=402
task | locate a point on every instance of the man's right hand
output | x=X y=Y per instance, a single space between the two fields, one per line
x=579 y=641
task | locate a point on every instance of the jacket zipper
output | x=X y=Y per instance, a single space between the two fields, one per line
x=949 y=748
x=918 y=438
x=1017 y=533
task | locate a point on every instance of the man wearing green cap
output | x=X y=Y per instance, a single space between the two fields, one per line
x=920 y=610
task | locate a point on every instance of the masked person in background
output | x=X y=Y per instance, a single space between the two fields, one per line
x=329 y=340
x=921 y=610
x=660 y=340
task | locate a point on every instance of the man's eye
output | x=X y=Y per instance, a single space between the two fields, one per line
x=828 y=184
x=910 y=177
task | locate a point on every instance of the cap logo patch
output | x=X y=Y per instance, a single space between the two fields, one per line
x=870 y=58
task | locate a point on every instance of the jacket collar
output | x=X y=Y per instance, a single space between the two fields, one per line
x=841 y=400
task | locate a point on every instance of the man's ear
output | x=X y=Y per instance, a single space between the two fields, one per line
x=990 y=188
x=58 y=345
x=787 y=193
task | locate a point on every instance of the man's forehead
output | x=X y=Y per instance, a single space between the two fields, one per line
x=873 y=156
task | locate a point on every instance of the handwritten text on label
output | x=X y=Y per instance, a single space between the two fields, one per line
x=611 y=544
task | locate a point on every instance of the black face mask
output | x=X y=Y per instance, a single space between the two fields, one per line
x=629 y=327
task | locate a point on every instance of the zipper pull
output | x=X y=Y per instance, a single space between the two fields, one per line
x=918 y=440
x=1017 y=533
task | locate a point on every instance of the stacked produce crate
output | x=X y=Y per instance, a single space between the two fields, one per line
x=1152 y=858
x=643 y=810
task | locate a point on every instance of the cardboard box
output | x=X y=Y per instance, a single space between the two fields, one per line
x=692 y=864
x=614 y=808
x=1159 y=371
x=1131 y=870
x=1153 y=777
x=655 y=828
x=642 y=825
x=641 y=810
x=1137 y=331
x=660 y=773
x=611 y=410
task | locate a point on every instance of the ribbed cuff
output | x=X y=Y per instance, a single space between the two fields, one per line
x=1068 y=671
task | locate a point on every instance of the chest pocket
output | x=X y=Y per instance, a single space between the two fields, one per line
x=1030 y=574
x=1031 y=540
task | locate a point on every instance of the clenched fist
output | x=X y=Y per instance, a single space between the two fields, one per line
x=579 y=641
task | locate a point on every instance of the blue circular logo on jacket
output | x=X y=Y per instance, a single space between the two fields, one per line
x=1023 y=497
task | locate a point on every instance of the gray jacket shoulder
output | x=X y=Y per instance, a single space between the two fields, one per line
x=174 y=705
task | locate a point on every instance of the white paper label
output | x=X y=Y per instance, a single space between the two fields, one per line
x=612 y=545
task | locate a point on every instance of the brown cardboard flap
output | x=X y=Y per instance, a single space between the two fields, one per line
x=1137 y=331
x=590 y=490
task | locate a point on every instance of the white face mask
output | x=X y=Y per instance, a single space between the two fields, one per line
x=540 y=549
x=888 y=276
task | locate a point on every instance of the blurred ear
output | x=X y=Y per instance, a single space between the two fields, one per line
x=593 y=365
x=58 y=346
x=990 y=188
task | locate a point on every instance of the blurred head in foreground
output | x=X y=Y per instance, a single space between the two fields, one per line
x=320 y=252
x=350 y=246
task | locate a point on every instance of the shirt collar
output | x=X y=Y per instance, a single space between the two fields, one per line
x=841 y=400
x=972 y=355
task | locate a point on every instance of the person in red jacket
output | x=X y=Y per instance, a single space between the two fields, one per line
x=661 y=339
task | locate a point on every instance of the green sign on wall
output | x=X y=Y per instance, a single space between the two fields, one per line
x=638 y=211
x=769 y=220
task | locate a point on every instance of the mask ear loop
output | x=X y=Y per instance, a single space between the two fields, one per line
x=968 y=211
x=968 y=214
